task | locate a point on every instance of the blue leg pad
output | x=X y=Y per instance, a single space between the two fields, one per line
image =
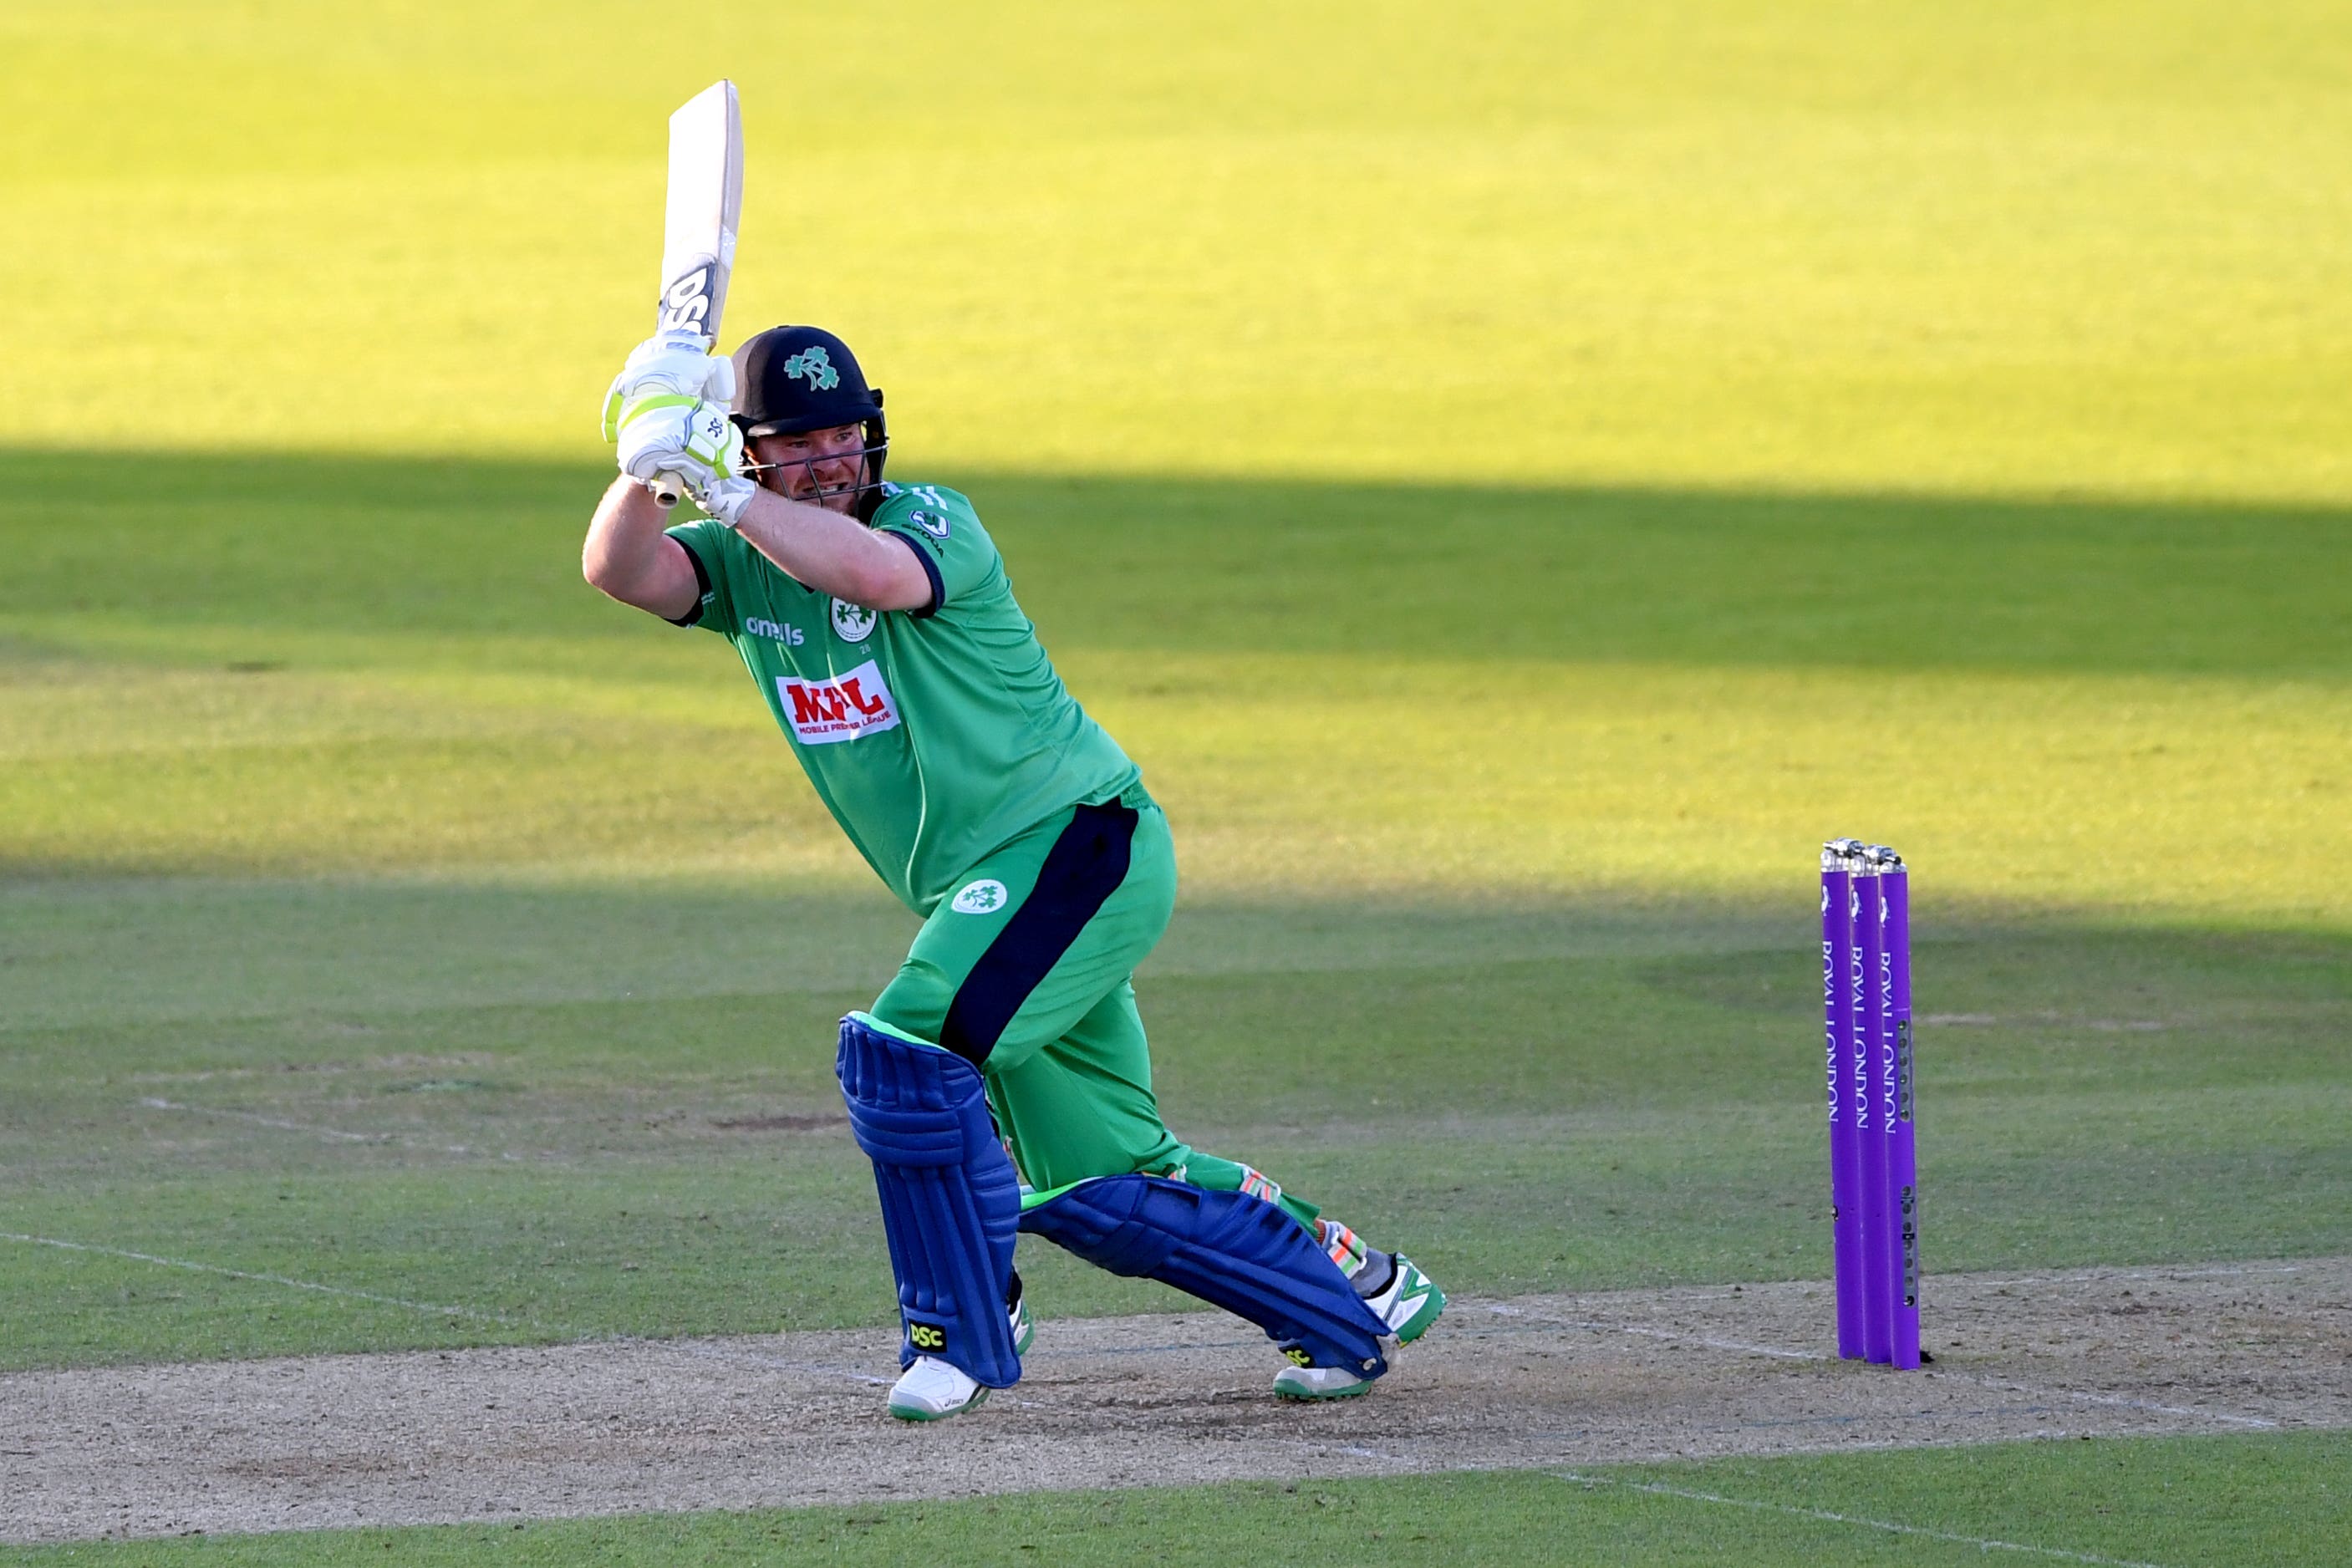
x=1231 y=1249
x=951 y=1199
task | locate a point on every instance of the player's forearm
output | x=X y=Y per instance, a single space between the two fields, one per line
x=833 y=554
x=623 y=553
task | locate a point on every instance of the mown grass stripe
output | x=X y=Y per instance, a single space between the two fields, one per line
x=264 y=1279
x=331 y=1134
x=556 y=1330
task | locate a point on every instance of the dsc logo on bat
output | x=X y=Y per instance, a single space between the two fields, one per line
x=687 y=302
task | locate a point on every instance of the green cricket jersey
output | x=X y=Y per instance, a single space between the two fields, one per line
x=933 y=736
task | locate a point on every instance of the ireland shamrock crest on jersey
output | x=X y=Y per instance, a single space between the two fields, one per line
x=981 y=898
x=816 y=365
x=853 y=623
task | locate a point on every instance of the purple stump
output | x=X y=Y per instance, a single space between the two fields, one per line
x=1837 y=1022
x=1902 y=1158
x=1877 y=1096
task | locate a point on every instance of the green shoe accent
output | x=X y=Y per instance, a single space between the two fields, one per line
x=1023 y=1330
x=916 y=1413
x=1411 y=1305
x=1319 y=1382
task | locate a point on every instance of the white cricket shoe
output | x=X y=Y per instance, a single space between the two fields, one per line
x=1319 y=1382
x=931 y=1390
x=1410 y=1304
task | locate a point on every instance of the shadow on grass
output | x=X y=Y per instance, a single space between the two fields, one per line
x=355 y=543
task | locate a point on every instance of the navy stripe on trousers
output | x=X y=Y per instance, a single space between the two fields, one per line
x=1085 y=866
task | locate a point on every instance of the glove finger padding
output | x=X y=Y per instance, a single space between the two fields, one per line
x=675 y=364
x=719 y=386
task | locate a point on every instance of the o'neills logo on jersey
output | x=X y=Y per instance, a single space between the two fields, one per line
x=842 y=708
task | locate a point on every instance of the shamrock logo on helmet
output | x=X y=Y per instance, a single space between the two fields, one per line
x=815 y=364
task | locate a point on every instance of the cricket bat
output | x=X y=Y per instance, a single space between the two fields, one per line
x=705 y=204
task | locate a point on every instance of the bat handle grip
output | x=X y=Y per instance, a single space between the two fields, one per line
x=666 y=489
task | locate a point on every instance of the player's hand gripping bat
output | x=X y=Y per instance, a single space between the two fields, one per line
x=705 y=203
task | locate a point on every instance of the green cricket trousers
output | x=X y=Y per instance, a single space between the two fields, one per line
x=1024 y=969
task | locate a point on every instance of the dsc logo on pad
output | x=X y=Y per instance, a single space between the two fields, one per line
x=842 y=709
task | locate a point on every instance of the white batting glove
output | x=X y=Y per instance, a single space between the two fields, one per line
x=671 y=444
x=726 y=498
x=674 y=365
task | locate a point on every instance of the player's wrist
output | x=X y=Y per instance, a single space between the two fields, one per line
x=726 y=500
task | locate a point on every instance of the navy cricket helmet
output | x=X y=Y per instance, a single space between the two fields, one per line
x=793 y=379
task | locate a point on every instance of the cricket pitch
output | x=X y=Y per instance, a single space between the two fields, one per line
x=616 y=1427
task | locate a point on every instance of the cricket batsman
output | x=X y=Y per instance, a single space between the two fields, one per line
x=1001 y=1082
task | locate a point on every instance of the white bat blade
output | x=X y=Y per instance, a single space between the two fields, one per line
x=705 y=203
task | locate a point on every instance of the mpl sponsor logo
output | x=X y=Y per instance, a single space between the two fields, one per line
x=842 y=708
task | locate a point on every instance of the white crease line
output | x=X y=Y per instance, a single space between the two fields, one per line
x=2117 y=1399
x=1739 y=1345
x=2029 y=1390
x=1356 y=1452
x=1684 y=1456
x=433 y=1308
x=2094 y=1276
x=1982 y=1543
x=335 y=1133
x=753 y=1358
x=1395 y=1461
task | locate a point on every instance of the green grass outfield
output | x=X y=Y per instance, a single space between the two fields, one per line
x=2271 y=1500
x=470 y=943
x=1515 y=490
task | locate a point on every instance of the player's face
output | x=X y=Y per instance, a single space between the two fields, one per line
x=824 y=468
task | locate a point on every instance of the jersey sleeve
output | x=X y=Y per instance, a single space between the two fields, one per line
x=707 y=546
x=945 y=531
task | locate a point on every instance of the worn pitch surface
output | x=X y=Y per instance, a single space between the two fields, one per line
x=621 y=1426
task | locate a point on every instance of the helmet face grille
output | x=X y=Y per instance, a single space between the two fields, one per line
x=867 y=487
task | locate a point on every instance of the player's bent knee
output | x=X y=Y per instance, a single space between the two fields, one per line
x=951 y=1200
x=1231 y=1249
x=913 y=1004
